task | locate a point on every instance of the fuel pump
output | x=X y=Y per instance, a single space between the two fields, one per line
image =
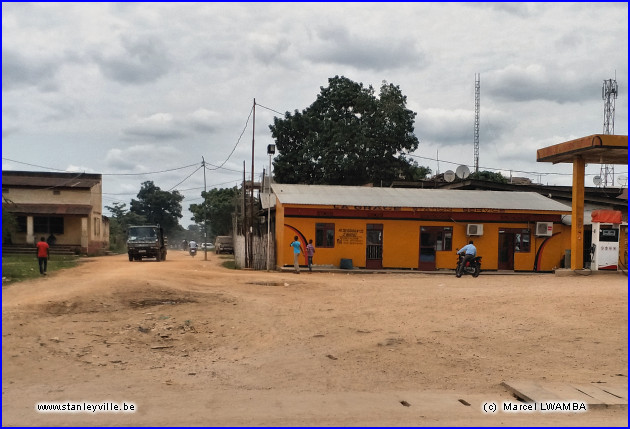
x=605 y=247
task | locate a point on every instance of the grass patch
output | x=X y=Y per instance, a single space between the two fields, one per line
x=16 y=268
x=231 y=264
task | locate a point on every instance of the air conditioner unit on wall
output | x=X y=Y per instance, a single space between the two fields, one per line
x=474 y=229
x=544 y=229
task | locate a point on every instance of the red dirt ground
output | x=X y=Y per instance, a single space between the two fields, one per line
x=189 y=342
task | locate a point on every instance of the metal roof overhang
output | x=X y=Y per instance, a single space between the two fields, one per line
x=595 y=149
x=48 y=209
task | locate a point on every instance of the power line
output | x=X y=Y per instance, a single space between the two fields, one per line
x=268 y=108
x=495 y=169
x=221 y=168
x=32 y=165
x=151 y=172
x=186 y=178
x=237 y=141
x=102 y=174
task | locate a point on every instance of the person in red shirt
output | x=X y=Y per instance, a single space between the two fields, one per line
x=42 y=255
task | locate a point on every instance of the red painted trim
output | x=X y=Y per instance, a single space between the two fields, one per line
x=303 y=240
x=468 y=215
x=608 y=267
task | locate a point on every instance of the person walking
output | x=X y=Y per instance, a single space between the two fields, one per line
x=297 y=249
x=310 y=252
x=42 y=255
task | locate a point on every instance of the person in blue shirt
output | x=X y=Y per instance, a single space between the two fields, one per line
x=297 y=248
x=469 y=251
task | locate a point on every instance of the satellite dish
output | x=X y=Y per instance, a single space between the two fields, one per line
x=462 y=172
x=449 y=176
x=597 y=180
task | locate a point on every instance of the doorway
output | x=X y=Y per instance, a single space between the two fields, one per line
x=428 y=247
x=374 y=246
x=506 y=250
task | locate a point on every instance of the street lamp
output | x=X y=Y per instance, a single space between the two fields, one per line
x=271 y=150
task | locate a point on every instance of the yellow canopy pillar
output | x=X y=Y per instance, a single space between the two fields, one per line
x=595 y=149
x=577 y=215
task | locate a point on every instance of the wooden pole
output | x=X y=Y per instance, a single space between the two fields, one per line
x=251 y=201
x=205 y=212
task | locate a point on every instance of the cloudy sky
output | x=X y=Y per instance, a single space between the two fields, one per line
x=142 y=91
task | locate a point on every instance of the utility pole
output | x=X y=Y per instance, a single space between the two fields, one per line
x=245 y=214
x=271 y=149
x=205 y=212
x=251 y=201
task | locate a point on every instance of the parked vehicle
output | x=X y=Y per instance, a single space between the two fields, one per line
x=146 y=241
x=224 y=244
x=472 y=266
x=209 y=246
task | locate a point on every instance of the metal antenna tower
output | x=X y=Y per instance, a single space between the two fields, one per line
x=476 y=131
x=609 y=95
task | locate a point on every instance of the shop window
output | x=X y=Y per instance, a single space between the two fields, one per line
x=48 y=224
x=522 y=241
x=21 y=223
x=325 y=235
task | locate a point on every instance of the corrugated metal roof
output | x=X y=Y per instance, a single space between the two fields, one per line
x=413 y=198
x=49 y=180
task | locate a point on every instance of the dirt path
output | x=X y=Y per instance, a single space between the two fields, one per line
x=191 y=343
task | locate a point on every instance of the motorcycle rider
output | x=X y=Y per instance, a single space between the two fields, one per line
x=192 y=245
x=469 y=251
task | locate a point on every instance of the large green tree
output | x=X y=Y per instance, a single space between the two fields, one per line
x=348 y=136
x=158 y=207
x=119 y=222
x=216 y=210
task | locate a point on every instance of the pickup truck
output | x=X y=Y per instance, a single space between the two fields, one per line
x=224 y=244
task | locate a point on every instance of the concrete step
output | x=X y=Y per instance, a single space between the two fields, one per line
x=23 y=249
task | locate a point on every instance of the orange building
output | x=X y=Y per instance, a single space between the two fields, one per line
x=420 y=229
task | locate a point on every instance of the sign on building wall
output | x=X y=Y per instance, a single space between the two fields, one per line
x=351 y=236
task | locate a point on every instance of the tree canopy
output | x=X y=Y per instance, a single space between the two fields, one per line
x=348 y=136
x=216 y=210
x=120 y=220
x=158 y=206
x=489 y=176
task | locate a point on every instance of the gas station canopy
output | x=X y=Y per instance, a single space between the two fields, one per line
x=595 y=149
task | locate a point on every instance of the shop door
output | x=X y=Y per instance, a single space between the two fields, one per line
x=374 y=247
x=428 y=242
x=506 y=250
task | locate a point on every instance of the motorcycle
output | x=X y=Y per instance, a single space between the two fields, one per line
x=472 y=266
x=193 y=251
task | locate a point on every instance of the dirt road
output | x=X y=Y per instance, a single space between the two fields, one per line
x=187 y=342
